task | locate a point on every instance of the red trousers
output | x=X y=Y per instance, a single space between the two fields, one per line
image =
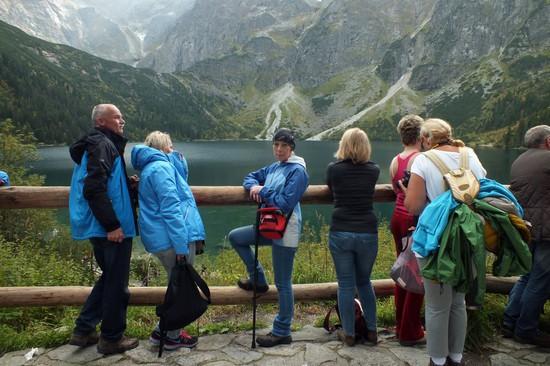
x=407 y=304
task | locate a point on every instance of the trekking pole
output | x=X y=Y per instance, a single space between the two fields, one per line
x=255 y=277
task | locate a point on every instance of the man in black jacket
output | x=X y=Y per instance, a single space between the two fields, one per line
x=102 y=211
x=530 y=183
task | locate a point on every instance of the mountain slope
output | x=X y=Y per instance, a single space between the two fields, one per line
x=214 y=28
x=52 y=88
x=121 y=30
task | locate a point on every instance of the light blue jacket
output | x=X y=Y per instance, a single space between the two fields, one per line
x=283 y=186
x=433 y=220
x=163 y=206
x=84 y=224
x=194 y=220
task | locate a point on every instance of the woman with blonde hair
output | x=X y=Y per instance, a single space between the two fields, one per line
x=165 y=206
x=408 y=327
x=353 y=236
x=445 y=309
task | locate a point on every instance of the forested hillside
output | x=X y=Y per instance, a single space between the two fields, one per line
x=51 y=89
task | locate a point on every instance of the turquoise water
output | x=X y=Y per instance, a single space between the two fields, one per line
x=220 y=163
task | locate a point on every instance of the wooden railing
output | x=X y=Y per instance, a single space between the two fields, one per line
x=18 y=197
x=58 y=197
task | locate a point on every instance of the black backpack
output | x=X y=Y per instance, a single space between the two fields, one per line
x=360 y=323
x=183 y=303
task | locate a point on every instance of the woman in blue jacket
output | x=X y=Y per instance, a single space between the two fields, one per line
x=165 y=204
x=193 y=219
x=281 y=185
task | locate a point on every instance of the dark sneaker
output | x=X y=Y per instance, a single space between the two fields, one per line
x=185 y=340
x=540 y=339
x=270 y=340
x=346 y=339
x=122 y=345
x=81 y=340
x=450 y=362
x=248 y=286
x=418 y=342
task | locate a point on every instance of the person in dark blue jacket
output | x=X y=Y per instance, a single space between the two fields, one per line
x=281 y=185
x=166 y=205
x=101 y=210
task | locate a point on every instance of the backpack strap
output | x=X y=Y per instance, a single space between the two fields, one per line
x=199 y=282
x=326 y=323
x=440 y=164
x=464 y=158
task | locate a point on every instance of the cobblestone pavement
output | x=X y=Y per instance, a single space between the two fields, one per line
x=311 y=346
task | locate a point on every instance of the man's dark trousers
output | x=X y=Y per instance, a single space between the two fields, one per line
x=109 y=297
x=529 y=294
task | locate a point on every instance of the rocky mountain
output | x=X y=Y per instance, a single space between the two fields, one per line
x=51 y=89
x=483 y=65
x=214 y=28
x=321 y=66
x=122 y=30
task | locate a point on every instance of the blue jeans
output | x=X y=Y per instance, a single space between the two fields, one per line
x=529 y=294
x=354 y=255
x=108 y=300
x=283 y=260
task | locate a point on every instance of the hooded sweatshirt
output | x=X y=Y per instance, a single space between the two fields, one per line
x=194 y=220
x=284 y=184
x=162 y=209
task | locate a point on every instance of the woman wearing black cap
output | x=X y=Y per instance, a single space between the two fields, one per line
x=281 y=185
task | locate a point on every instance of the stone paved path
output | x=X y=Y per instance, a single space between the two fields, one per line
x=311 y=346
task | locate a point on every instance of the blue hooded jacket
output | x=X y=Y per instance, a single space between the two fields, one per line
x=433 y=220
x=194 y=220
x=4 y=179
x=163 y=207
x=284 y=183
x=99 y=198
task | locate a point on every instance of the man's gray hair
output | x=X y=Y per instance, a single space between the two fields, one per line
x=98 y=111
x=535 y=136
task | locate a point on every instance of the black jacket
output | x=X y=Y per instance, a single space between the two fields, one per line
x=103 y=147
x=352 y=187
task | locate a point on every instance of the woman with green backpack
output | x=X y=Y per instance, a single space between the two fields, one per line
x=445 y=306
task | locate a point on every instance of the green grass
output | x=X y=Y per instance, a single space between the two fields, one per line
x=22 y=328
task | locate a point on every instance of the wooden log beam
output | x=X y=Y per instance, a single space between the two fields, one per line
x=58 y=197
x=221 y=295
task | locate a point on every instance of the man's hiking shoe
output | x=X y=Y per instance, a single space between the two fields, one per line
x=122 y=345
x=540 y=339
x=248 y=286
x=270 y=340
x=81 y=340
x=346 y=339
x=185 y=340
x=507 y=332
